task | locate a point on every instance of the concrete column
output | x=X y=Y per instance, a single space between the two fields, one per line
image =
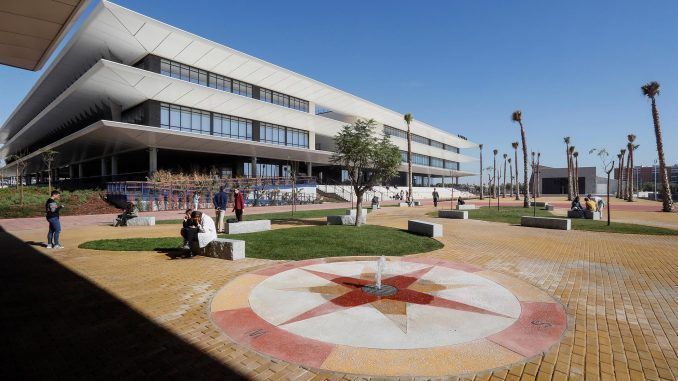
x=254 y=166
x=114 y=165
x=152 y=161
x=81 y=171
x=104 y=170
x=71 y=171
x=309 y=169
x=311 y=140
x=311 y=108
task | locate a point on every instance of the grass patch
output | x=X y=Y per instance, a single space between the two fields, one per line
x=298 y=243
x=512 y=214
x=280 y=216
x=36 y=196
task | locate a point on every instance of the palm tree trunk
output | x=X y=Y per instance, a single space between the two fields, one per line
x=515 y=152
x=621 y=178
x=504 y=179
x=570 y=193
x=409 y=163
x=526 y=199
x=628 y=176
x=511 y=174
x=494 y=179
x=619 y=171
x=667 y=201
x=630 y=198
x=576 y=177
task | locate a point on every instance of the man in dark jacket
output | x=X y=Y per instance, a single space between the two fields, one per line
x=220 y=200
x=436 y=197
x=52 y=209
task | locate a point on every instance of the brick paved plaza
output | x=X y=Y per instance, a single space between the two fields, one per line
x=80 y=313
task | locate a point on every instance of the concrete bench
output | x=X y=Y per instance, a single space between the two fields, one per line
x=465 y=207
x=352 y=212
x=248 y=226
x=428 y=229
x=590 y=215
x=549 y=207
x=344 y=220
x=546 y=222
x=540 y=204
x=458 y=214
x=222 y=248
x=138 y=221
x=414 y=203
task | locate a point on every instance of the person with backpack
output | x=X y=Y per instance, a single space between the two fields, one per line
x=52 y=209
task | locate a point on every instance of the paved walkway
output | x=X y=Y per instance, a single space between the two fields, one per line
x=77 y=313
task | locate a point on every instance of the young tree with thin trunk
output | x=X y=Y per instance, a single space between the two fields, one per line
x=533 y=164
x=619 y=172
x=511 y=174
x=48 y=157
x=495 y=188
x=515 y=146
x=505 y=156
x=651 y=90
x=630 y=147
x=575 y=155
x=538 y=174
x=622 y=191
x=408 y=119
x=517 y=117
x=368 y=158
x=608 y=167
x=480 y=146
x=570 y=191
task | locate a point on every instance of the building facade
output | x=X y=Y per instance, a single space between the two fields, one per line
x=555 y=181
x=129 y=95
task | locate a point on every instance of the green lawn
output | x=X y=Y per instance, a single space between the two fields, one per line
x=298 y=243
x=279 y=216
x=512 y=214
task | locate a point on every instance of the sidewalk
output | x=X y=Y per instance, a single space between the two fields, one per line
x=70 y=222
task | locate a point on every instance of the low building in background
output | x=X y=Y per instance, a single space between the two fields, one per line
x=554 y=181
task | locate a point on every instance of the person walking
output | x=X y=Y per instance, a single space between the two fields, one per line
x=436 y=197
x=196 y=200
x=220 y=201
x=238 y=204
x=52 y=209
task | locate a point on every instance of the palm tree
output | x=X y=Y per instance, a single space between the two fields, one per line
x=515 y=146
x=517 y=116
x=480 y=146
x=505 y=156
x=570 y=191
x=511 y=173
x=631 y=147
x=575 y=154
x=619 y=173
x=408 y=120
x=495 y=188
x=622 y=189
x=533 y=164
x=651 y=90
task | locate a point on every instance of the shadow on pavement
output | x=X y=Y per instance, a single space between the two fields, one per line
x=55 y=324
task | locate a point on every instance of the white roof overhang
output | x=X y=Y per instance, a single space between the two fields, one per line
x=117 y=33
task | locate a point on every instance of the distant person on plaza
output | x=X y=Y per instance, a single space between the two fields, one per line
x=460 y=201
x=402 y=194
x=220 y=201
x=436 y=197
x=203 y=233
x=375 y=202
x=238 y=204
x=131 y=211
x=188 y=224
x=577 y=206
x=196 y=200
x=600 y=203
x=52 y=209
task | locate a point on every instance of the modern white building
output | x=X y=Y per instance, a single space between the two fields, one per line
x=129 y=95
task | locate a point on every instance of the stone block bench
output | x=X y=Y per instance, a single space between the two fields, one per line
x=138 y=221
x=414 y=203
x=549 y=207
x=248 y=226
x=589 y=214
x=428 y=229
x=540 y=204
x=352 y=212
x=344 y=220
x=465 y=207
x=222 y=248
x=546 y=222
x=458 y=214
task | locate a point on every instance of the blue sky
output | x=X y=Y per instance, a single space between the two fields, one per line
x=574 y=68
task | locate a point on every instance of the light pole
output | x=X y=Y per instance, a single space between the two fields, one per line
x=654 y=170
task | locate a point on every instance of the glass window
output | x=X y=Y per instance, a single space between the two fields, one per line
x=436 y=162
x=164 y=115
x=165 y=67
x=175 y=117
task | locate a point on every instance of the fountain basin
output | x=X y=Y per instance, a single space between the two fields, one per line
x=385 y=290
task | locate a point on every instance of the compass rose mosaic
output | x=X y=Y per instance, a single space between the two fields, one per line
x=432 y=318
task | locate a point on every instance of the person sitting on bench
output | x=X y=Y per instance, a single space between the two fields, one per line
x=187 y=225
x=204 y=232
x=460 y=201
x=577 y=207
x=130 y=212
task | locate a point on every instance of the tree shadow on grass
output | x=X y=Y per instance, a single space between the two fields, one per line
x=55 y=324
